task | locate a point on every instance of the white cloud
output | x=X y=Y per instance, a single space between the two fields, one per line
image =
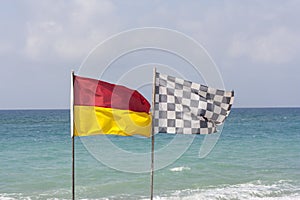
x=251 y=34
x=264 y=32
x=73 y=33
x=69 y=30
x=85 y=11
x=279 y=45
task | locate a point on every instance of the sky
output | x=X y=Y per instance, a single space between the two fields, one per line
x=254 y=43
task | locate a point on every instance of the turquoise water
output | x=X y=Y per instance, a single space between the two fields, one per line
x=256 y=157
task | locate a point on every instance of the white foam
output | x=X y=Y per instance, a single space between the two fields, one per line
x=257 y=190
x=179 y=169
x=280 y=190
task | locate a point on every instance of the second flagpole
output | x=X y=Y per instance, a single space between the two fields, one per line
x=152 y=135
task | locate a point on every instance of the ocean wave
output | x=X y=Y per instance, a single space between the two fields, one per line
x=257 y=190
x=50 y=195
x=280 y=190
x=179 y=169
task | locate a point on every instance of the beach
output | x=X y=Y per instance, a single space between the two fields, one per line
x=257 y=157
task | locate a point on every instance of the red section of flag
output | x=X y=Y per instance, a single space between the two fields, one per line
x=92 y=92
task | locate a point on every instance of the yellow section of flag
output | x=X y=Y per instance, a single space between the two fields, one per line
x=92 y=120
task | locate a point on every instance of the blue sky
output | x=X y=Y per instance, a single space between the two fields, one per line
x=255 y=44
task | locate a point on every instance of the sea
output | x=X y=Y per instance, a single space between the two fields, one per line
x=257 y=156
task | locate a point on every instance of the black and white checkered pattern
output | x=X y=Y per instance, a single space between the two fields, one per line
x=189 y=108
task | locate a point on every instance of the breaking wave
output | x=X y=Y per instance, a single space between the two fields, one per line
x=179 y=169
x=280 y=190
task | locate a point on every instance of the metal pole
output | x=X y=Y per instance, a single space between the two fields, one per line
x=152 y=164
x=72 y=133
x=73 y=168
x=152 y=134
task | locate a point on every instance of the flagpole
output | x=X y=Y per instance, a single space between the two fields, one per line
x=152 y=133
x=72 y=133
x=73 y=168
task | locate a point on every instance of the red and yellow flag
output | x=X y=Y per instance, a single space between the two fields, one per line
x=105 y=108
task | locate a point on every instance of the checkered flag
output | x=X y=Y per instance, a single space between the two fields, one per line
x=188 y=108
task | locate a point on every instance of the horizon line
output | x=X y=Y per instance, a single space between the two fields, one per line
x=240 y=107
